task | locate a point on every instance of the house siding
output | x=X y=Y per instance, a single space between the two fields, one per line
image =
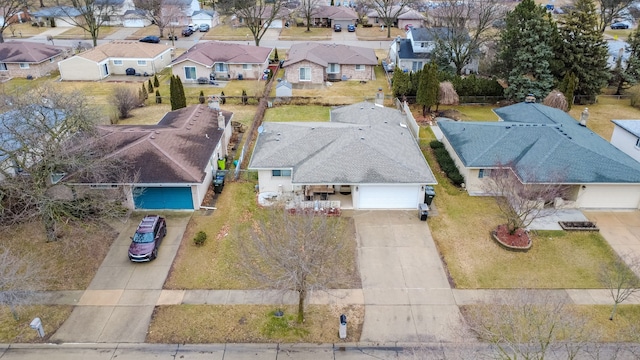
x=626 y=142
x=269 y=183
x=292 y=73
x=36 y=70
x=352 y=74
x=201 y=70
x=77 y=68
x=82 y=69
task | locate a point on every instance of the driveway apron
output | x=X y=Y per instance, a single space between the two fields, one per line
x=406 y=293
x=118 y=304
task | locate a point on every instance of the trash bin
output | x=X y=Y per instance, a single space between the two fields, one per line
x=342 y=332
x=218 y=181
x=423 y=211
x=240 y=77
x=429 y=194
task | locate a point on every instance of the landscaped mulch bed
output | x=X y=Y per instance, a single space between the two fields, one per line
x=519 y=240
x=578 y=225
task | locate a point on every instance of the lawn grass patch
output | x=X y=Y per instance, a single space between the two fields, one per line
x=227 y=32
x=376 y=33
x=76 y=32
x=601 y=113
x=300 y=33
x=19 y=331
x=252 y=324
x=462 y=233
x=297 y=113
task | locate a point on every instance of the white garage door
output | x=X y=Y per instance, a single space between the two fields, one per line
x=388 y=197
x=133 y=23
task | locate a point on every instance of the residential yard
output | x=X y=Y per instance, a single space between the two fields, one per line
x=299 y=33
x=474 y=260
x=227 y=32
x=19 y=331
x=251 y=324
x=606 y=109
x=298 y=113
x=17 y=31
x=376 y=33
x=76 y=33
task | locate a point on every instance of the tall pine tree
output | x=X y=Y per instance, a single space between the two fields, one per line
x=526 y=49
x=172 y=93
x=584 y=51
x=181 y=97
x=627 y=70
x=427 y=94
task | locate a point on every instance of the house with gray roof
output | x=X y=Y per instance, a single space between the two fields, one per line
x=626 y=137
x=222 y=61
x=365 y=157
x=173 y=162
x=57 y=16
x=412 y=53
x=316 y=63
x=29 y=59
x=328 y=16
x=544 y=145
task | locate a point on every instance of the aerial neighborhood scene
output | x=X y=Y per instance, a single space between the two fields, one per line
x=320 y=179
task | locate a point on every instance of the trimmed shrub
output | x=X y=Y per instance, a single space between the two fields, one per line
x=435 y=144
x=200 y=238
x=446 y=163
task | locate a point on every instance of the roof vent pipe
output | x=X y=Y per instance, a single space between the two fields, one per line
x=584 y=116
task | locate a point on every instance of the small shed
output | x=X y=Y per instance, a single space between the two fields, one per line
x=284 y=89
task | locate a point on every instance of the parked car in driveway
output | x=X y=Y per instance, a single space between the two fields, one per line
x=146 y=241
x=150 y=39
x=619 y=25
x=351 y=28
x=187 y=31
x=337 y=28
x=203 y=27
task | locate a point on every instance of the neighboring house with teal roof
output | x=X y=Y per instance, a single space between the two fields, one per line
x=544 y=145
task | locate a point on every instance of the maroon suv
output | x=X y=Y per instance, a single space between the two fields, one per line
x=147 y=239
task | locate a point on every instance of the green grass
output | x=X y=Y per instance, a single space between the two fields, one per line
x=474 y=260
x=469 y=112
x=297 y=113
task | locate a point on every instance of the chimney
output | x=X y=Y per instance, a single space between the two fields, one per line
x=220 y=120
x=530 y=99
x=584 y=116
x=380 y=97
x=214 y=103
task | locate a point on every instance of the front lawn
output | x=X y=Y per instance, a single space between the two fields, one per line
x=300 y=33
x=19 y=331
x=462 y=229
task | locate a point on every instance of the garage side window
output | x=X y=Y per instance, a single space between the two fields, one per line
x=281 y=173
x=190 y=72
x=305 y=74
x=484 y=173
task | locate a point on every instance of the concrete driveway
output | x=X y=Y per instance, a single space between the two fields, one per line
x=621 y=229
x=406 y=292
x=118 y=304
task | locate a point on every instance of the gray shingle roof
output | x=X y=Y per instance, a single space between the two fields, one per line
x=28 y=52
x=632 y=126
x=210 y=52
x=542 y=142
x=325 y=54
x=367 y=147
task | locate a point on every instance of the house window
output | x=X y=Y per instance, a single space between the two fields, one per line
x=416 y=65
x=117 y=62
x=142 y=62
x=221 y=67
x=638 y=143
x=281 y=173
x=333 y=69
x=24 y=66
x=484 y=173
x=305 y=74
x=190 y=72
x=246 y=67
x=3 y=67
x=359 y=67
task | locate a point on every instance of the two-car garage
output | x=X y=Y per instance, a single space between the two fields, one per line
x=174 y=198
x=387 y=196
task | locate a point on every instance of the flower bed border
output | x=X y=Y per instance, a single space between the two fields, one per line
x=494 y=235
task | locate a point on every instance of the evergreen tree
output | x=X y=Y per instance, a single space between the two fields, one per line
x=150 y=87
x=181 y=98
x=583 y=50
x=275 y=55
x=156 y=82
x=428 y=85
x=223 y=99
x=201 y=97
x=158 y=97
x=245 y=100
x=143 y=93
x=568 y=87
x=627 y=71
x=400 y=83
x=173 y=96
x=525 y=51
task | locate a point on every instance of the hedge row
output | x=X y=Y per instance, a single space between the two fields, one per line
x=446 y=163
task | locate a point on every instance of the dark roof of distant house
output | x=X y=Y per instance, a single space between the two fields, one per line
x=28 y=52
x=176 y=150
x=57 y=11
x=362 y=144
x=405 y=51
x=543 y=144
x=136 y=12
x=109 y=2
x=334 y=13
x=210 y=52
x=325 y=54
x=429 y=34
x=204 y=12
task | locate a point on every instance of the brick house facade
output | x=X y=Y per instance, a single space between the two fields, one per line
x=30 y=59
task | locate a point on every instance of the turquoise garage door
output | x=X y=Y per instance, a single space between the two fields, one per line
x=163 y=198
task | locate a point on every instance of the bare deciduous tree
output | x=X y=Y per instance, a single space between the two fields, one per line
x=300 y=252
x=125 y=99
x=621 y=280
x=389 y=10
x=520 y=200
x=9 y=9
x=530 y=325
x=93 y=14
x=612 y=10
x=468 y=24
x=257 y=15
x=307 y=10
x=20 y=278
x=49 y=139
x=163 y=13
